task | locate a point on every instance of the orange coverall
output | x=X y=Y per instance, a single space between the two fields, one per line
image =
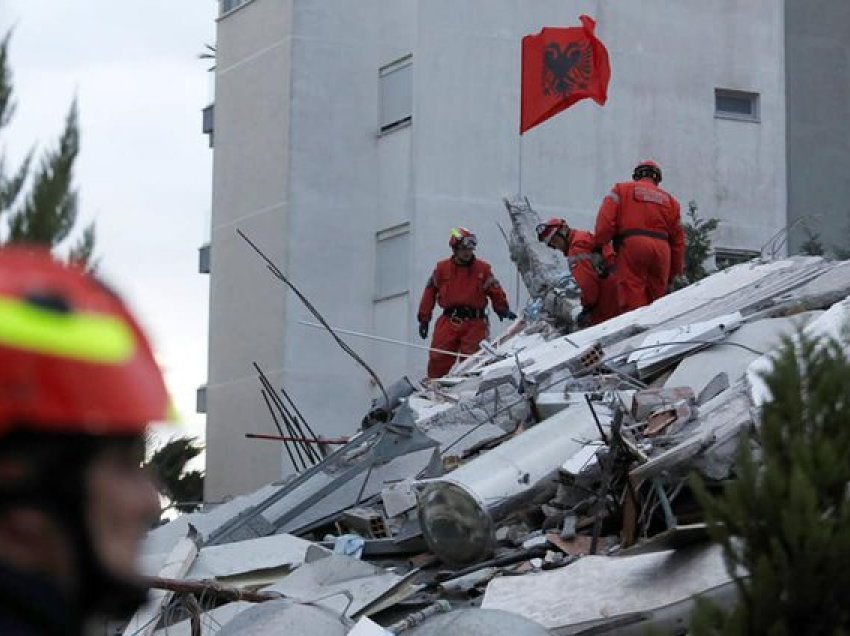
x=462 y=291
x=599 y=295
x=644 y=223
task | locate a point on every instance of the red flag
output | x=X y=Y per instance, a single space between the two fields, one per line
x=559 y=68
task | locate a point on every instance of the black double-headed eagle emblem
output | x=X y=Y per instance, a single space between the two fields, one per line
x=567 y=69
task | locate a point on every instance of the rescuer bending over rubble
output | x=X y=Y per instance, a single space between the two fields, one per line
x=78 y=384
x=644 y=224
x=461 y=285
x=593 y=272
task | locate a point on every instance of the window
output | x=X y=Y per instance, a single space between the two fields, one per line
x=204 y=259
x=229 y=5
x=395 y=94
x=201 y=399
x=729 y=104
x=392 y=261
x=208 y=123
x=727 y=257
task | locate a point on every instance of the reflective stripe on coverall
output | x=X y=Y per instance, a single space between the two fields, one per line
x=645 y=264
x=453 y=285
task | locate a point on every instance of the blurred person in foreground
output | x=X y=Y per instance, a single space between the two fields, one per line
x=78 y=385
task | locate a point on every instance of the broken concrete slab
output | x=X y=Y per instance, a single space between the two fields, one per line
x=661 y=348
x=277 y=552
x=457 y=513
x=719 y=421
x=340 y=583
x=736 y=353
x=398 y=497
x=478 y=622
x=215 y=616
x=287 y=617
x=604 y=589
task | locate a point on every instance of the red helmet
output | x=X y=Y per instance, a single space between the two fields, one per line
x=72 y=358
x=546 y=231
x=463 y=237
x=647 y=169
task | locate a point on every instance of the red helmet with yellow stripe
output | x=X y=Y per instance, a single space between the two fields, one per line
x=72 y=358
x=460 y=236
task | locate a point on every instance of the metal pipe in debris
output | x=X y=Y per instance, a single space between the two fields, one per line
x=368 y=336
x=305 y=440
x=417 y=618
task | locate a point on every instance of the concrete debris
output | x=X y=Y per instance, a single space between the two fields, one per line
x=286 y=617
x=472 y=622
x=613 y=592
x=458 y=512
x=545 y=477
x=398 y=497
x=339 y=583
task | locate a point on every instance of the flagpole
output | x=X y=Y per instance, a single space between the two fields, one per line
x=519 y=170
x=519 y=196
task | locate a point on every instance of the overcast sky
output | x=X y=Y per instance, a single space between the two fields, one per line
x=144 y=170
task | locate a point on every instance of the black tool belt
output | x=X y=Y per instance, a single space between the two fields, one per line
x=618 y=240
x=464 y=313
x=661 y=236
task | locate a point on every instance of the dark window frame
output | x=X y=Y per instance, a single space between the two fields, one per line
x=728 y=104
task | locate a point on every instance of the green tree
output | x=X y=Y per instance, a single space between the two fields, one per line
x=697 y=243
x=40 y=205
x=812 y=246
x=183 y=488
x=786 y=518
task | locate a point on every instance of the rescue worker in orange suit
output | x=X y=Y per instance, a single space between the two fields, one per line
x=594 y=273
x=461 y=285
x=644 y=224
x=78 y=385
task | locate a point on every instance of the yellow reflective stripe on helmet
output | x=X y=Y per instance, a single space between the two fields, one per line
x=80 y=336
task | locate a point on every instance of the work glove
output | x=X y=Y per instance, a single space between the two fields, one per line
x=423 y=330
x=583 y=320
x=507 y=313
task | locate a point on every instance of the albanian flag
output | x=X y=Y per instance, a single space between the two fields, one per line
x=559 y=68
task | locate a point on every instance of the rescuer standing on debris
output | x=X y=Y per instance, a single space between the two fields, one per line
x=644 y=223
x=593 y=272
x=461 y=285
x=78 y=384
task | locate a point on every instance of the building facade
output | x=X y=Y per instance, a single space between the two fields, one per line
x=351 y=136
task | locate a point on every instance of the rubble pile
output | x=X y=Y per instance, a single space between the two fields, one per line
x=546 y=476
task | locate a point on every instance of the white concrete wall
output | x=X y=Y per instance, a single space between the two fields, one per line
x=250 y=177
x=460 y=157
x=817 y=71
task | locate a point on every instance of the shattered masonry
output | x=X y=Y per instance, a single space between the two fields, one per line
x=549 y=461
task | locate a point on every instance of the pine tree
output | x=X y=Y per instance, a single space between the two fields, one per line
x=10 y=186
x=786 y=518
x=697 y=243
x=40 y=206
x=812 y=246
